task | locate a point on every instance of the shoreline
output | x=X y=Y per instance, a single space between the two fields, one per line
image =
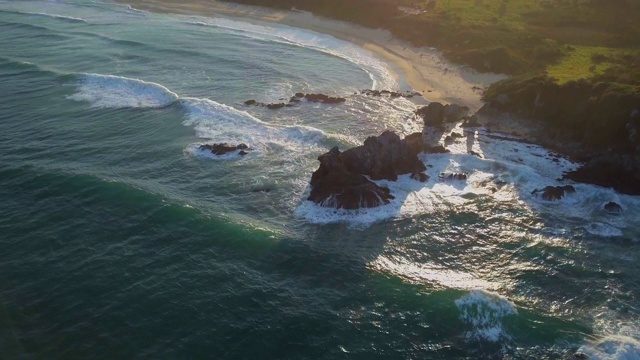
x=424 y=69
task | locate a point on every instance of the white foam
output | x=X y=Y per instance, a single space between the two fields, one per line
x=603 y=230
x=110 y=91
x=375 y=68
x=55 y=16
x=613 y=347
x=223 y=123
x=508 y=171
x=484 y=311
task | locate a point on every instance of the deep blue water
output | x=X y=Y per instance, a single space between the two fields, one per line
x=120 y=239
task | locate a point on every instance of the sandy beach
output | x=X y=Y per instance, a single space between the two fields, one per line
x=425 y=69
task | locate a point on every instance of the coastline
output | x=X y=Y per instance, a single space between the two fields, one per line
x=425 y=69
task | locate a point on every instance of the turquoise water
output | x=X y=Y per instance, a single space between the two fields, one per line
x=120 y=239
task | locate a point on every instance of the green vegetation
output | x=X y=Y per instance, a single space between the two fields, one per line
x=575 y=63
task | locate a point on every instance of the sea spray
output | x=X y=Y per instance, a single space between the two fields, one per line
x=111 y=91
x=484 y=311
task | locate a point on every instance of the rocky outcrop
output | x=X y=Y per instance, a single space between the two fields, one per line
x=384 y=157
x=224 y=148
x=340 y=182
x=325 y=99
x=334 y=185
x=391 y=94
x=612 y=208
x=297 y=98
x=435 y=114
x=621 y=173
x=452 y=176
x=552 y=193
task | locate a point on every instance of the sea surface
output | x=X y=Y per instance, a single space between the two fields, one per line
x=120 y=239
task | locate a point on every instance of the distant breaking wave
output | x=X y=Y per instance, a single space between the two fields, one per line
x=53 y=16
x=376 y=69
x=211 y=120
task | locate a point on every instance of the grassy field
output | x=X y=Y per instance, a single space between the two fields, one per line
x=570 y=40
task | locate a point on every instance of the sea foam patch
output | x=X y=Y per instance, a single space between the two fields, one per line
x=613 y=347
x=111 y=91
x=223 y=123
x=484 y=311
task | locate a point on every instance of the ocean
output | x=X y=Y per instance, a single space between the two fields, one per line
x=121 y=239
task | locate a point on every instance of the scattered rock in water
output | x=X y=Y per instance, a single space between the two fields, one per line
x=422 y=177
x=471 y=152
x=275 y=106
x=325 y=99
x=579 y=356
x=552 y=193
x=297 y=98
x=617 y=172
x=225 y=148
x=340 y=180
x=612 y=208
x=391 y=94
x=453 y=176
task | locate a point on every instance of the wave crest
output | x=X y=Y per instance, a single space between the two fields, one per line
x=116 y=92
x=484 y=311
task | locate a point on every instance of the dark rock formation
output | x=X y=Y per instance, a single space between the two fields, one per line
x=340 y=182
x=275 y=106
x=391 y=94
x=620 y=173
x=438 y=149
x=224 y=148
x=432 y=114
x=319 y=98
x=551 y=193
x=471 y=121
x=579 y=356
x=453 y=176
x=334 y=185
x=435 y=114
x=454 y=113
x=325 y=99
x=612 y=208
x=384 y=157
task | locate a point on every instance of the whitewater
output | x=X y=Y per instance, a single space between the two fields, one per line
x=120 y=233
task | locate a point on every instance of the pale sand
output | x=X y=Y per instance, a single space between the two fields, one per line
x=425 y=69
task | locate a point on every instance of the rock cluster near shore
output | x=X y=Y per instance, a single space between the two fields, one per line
x=344 y=179
x=225 y=148
x=340 y=181
x=317 y=98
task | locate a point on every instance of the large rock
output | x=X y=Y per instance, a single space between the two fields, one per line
x=325 y=99
x=612 y=208
x=435 y=114
x=432 y=114
x=384 y=157
x=552 y=193
x=621 y=173
x=454 y=112
x=333 y=185
x=224 y=148
x=340 y=182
